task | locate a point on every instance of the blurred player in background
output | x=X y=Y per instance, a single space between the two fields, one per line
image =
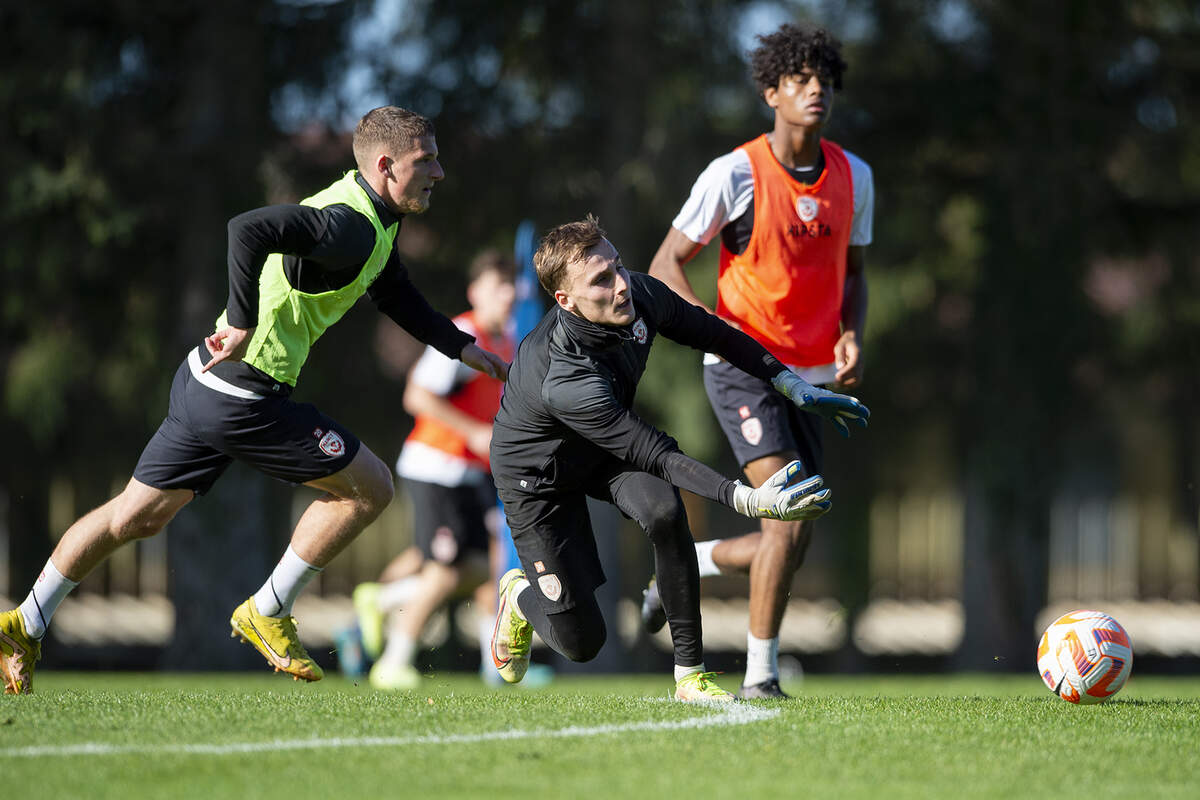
x=444 y=464
x=566 y=431
x=793 y=213
x=294 y=270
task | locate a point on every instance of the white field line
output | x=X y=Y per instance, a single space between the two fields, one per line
x=727 y=715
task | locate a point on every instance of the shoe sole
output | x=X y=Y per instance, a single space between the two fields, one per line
x=707 y=699
x=765 y=696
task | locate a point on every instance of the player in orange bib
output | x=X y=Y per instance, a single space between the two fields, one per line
x=444 y=464
x=793 y=214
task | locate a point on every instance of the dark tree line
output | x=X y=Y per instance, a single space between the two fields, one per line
x=1035 y=282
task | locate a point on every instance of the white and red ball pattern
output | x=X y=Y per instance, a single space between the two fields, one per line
x=1085 y=657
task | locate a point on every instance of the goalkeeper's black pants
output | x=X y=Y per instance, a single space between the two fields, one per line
x=571 y=622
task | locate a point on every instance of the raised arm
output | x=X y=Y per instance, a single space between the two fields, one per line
x=586 y=405
x=326 y=235
x=395 y=295
x=673 y=254
x=690 y=325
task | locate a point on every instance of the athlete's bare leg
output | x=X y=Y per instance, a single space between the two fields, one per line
x=354 y=498
x=437 y=583
x=138 y=512
x=735 y=555
x=780 y=551
x=408 y=563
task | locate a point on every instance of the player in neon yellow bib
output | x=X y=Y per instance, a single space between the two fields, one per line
x=294 y=270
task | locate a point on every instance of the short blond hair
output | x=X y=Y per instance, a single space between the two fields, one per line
x=391 y=127
x=565 y=245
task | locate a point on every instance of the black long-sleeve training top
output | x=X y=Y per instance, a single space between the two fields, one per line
x=323 y=250
x=567 y=405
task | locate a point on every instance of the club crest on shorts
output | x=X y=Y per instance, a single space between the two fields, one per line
x=806 y=208
x=551 y=586
x=752 y=430
x=331 y=444
x=444 y=546
x=639 y=330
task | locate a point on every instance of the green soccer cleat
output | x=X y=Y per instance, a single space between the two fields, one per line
x=370 y=618
x=701 y=687
x=394 y=677
x=512 y=636
x=276 y=639
x=18 y=653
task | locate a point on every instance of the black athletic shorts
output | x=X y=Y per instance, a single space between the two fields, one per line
x=211 y=422
x=451 y=522
x=553 y=533
x=758 y=421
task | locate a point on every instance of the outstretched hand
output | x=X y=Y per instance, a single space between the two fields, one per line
x=837 y=408
x=780 y=498
x=227 y=344
x=484 y=361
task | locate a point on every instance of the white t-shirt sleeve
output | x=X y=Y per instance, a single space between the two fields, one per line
x=864 y=200
x=438 y=373
x=722 y=193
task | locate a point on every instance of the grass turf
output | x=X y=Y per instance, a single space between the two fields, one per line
x=129 y=736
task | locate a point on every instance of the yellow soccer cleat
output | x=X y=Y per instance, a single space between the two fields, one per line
x=700 y=687
x=276 y=639
x=18 y=653
x=370 y=618
x=511 y=636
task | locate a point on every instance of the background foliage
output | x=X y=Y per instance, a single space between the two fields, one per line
x=1035 y=285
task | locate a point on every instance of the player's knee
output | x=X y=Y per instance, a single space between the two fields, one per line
x=666 y=519
x=127 y=527
x=376 y=489
x=586 y=645
x=581 y=642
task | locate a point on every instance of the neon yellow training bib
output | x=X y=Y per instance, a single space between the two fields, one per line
x=290 y=321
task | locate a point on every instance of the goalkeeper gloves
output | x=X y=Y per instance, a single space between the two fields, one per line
x=779 y=498
x=837 y=408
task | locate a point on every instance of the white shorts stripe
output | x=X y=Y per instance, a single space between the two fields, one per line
x=218 y=384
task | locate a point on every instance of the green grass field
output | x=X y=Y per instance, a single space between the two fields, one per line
x=153 y=735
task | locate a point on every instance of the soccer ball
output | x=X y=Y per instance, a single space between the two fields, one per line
x=1085 y=657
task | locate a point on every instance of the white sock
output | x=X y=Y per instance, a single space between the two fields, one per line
x=704 y=558
x=762 y=659
x=516 y=590
x=48 y=591
x=398 y=593
x=399 y=651
x=291 y=575
x=485 y=638
x=683 y=672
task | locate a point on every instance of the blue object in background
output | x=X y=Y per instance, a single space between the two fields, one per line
x=527 y=312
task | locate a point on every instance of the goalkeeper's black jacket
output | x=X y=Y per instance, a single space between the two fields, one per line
x=567 y=406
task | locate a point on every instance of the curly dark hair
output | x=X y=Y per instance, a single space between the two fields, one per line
x=791 y=48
